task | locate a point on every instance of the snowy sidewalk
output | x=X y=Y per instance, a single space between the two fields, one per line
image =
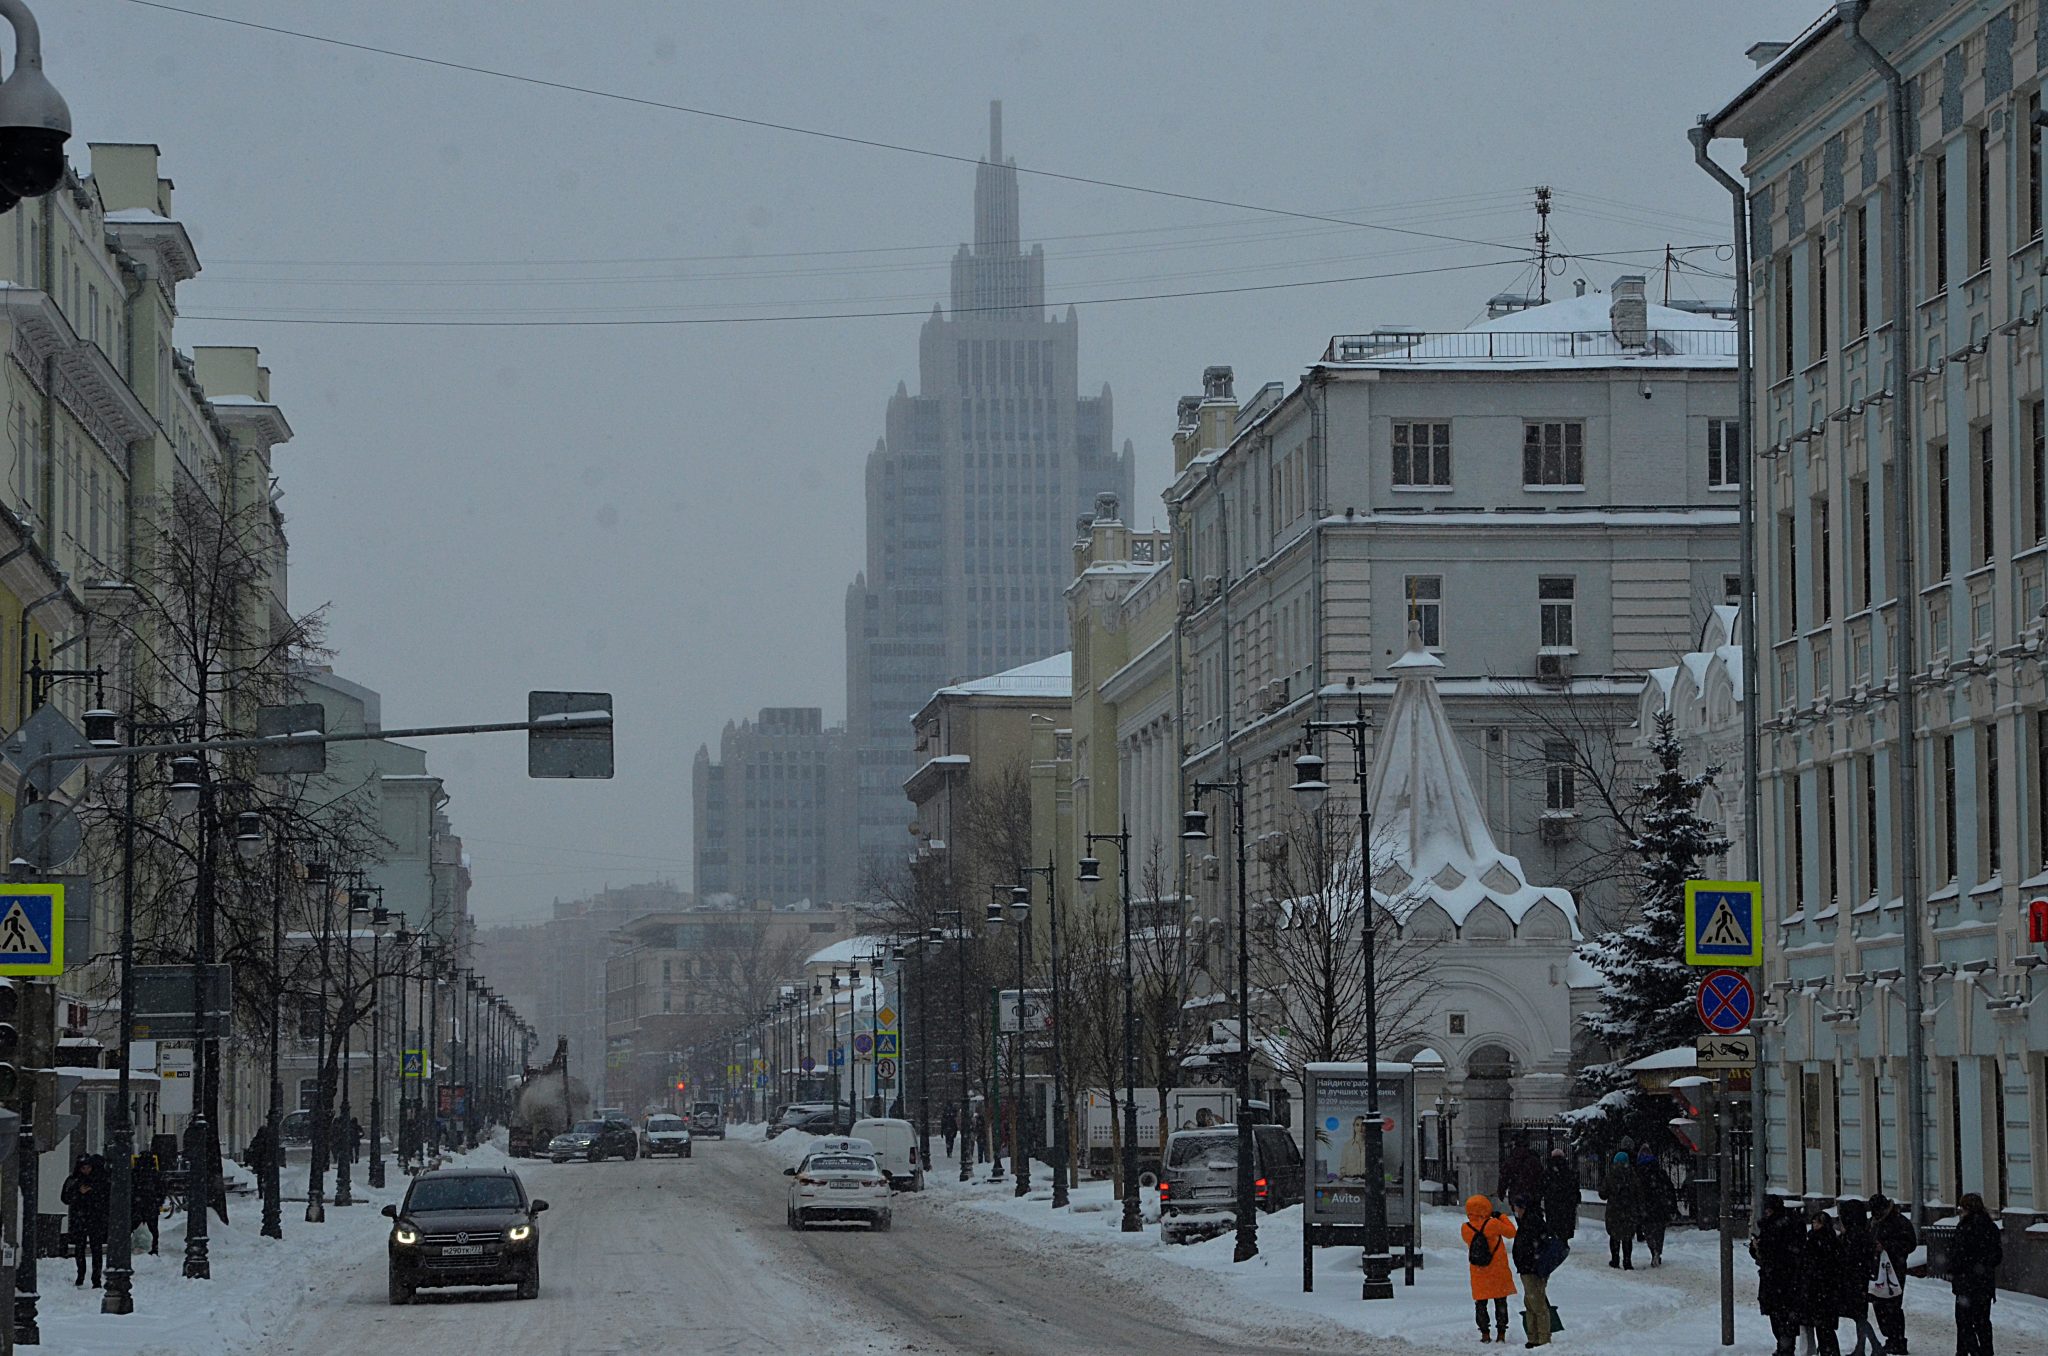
x=256 y=1281
x=1672 y=1309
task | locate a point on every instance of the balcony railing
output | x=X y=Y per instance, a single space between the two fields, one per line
x=1420 y=346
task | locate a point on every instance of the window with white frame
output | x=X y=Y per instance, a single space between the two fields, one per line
x=1422 y=455
x=1425 y=594
x=1555 y=599
x=1724 y=454
x=1554 y=454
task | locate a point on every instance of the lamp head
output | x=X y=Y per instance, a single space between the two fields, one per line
x=248 y=835
x=1309 y=787
x=102 y=728
x=1194 y=826
x=995 y=911
x=1090 y=874
x=185 y=772
x=935 y=934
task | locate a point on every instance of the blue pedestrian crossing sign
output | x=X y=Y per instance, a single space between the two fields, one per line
x=31 y=930
x=1724 y=922
x=887 y=1044
x=413 y=1064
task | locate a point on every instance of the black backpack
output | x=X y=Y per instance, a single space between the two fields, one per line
x=1480 y=1253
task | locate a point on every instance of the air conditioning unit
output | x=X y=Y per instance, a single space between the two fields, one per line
x=1276 y=694
x=1557 y=826
x=1553 y=668
x=1212 y=586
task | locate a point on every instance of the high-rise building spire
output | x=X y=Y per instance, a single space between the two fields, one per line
x=996 y=273
x=995 y=131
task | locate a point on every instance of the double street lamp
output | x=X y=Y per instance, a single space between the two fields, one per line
x=967 y=1149
x=1050 y=871
x=379 y=919
x=1195 y=829
x=1312 y=791
x=1090 y=877
x=1020 y=915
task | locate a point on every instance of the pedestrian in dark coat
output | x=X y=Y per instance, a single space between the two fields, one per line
x=1973 y=1259
x=85 y=1192
x=1859 y=1265
x=1532 y=1237
x=1561 y=1195
x=1896 y=1240
x=980 y=1130
x=1623 y=1194
x=949 y=1127
x=1779 y=1249
x=1521 y=1173
x=146 y=1195
x=355 y=1140
x=1822 y=1275
x=1659 y=1203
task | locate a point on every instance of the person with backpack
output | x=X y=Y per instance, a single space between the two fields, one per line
x=1859 y=1268
x=1779 y=1249
x=1659 y=1202
x=1896 y=1240
x=1973 y=1259
x=1822 y=1278
x=1561 y=1195
x=1486 y=1232
x=1537 y=1252
x=1623 y=1195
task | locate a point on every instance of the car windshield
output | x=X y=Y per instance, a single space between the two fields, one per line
x=588 y=1127
x=664 y=1123
x=1186 y=1149
x=842 y=1163
x=463 y=1193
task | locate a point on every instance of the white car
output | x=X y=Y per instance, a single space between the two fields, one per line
x=837 y=1185
x=895 y=1150
x=663 y=1133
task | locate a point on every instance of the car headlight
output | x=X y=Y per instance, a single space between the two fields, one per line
x=405 y=1237
x=519 y=1233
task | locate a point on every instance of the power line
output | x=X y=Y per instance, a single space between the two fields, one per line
x=844 y=315
x=839 y=137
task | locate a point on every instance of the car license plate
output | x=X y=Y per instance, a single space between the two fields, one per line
x=846 y=1186
x=464 y=1250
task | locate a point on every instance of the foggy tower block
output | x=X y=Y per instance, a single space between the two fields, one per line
x=972 y=493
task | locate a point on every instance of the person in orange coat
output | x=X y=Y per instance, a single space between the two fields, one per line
x=1485 y=1232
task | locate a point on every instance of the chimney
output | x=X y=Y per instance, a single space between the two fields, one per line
x=1105 y=507
x=1628 y=313
x=1579 y=287
x=1762 y=54
x=1217 y=383
x=1184 y=411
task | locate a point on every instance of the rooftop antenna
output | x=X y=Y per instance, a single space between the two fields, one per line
x=1542 y=243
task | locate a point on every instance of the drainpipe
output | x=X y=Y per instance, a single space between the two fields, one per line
x=1906 y=593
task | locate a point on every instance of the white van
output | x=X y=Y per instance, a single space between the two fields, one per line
x=895 y=1150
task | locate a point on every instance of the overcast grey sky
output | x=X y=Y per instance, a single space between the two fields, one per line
x=673 y=512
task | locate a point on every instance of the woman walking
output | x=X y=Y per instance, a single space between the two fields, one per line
x=1561 y=1195
x=1659 y=1201
x=1779 y=1249
x=1859 y=1266
x=1973 y=1272
x=1823 y=1285
x=1486 y=1232
x=1532 y=1239
x=1624 y=1211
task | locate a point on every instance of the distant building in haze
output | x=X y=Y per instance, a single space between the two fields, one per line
x=769 y=826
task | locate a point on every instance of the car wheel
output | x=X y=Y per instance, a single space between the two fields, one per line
x=883 y=1221
x=798 y=1222
x=596 y=1156
x=684 y=1154
x=399 y=1291
x=529 y=1284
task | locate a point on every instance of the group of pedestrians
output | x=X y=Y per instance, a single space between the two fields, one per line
x=1641 y=1201
x=1815 y=1273
x=88 y=1196
x=1522 y=1246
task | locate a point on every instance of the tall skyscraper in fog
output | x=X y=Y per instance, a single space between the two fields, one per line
x=972 y=494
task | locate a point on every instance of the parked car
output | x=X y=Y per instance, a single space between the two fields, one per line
x=296 y=1127
x=1198 y=1181
x=895 y=1144
x=707 y=1119
x=665 y=1133
x=814 y=1118
x=838 y=1184
x=596 y=1141
x=464 y=1227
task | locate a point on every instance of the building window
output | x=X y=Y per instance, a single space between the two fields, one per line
x=1937 y=233
x=1785 y=316
x=1830 y=881
x=2032 y=188
x=1859 y=544
x=1425 y=593
x=2037 y=471
x=1944 y=559
x=1818 y=330
x=1824 y=562
x=1560 y=778
x=1980 y=203
x=1949 y=863
x=1994 y=859
x=1422 y=455
x=1724 y=454
x=2040 y=779
x=1870 y=824
x=1860 y=268
x=1554 y=454
x=1987 y=498
x=1788 y=560
x=1555 y=600
x=1797 y=843
x=309 y=1094
x=1731 y=588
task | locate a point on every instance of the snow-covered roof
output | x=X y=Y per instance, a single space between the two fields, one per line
x=1677 y=1057
x=1685 y=688
x=137 y=216
x=849 y=950
x=1572 y=332
x=1426 y=812
x=1051 y=677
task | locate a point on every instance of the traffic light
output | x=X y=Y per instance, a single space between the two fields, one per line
x=11 y=1081
x=682 y=1085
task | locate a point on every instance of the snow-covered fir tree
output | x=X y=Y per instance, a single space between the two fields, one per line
x=1648 y=1004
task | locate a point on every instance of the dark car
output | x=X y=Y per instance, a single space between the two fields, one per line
x=1198 y=1181
x=707 y=1118
x=596 y=1141
x=464 y=1227
x=822 y=1121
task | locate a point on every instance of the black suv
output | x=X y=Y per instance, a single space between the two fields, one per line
x=464 y=1227
x=595 y=1140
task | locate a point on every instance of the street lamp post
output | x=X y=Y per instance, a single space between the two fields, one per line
x=402 y=942
x=190 y=779
x=380 y=919
x=960 y=1014
x=358 y=898
x=1090 y=876
x=1195 y=828
x=120 y=1296
x=249 y=835
x=1059 y=1072
x=316 y=1171
x=1020 y=916
x=1312 y=791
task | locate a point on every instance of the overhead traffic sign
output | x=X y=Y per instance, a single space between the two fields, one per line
x=1725 y=1052
x=1726 y=1001
x=1724 y=922
x=31 y=930
x=887 y=1044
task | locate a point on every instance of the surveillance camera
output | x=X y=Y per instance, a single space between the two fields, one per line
x=1647 y=393
x=34 y=122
